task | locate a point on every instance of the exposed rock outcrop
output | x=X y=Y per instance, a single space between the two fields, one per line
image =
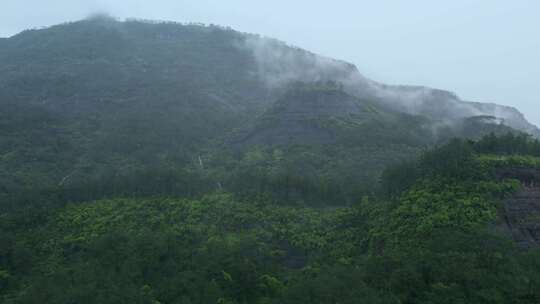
x=529 y=177
x=521 y=212
x=522 y=217
x=299 y=116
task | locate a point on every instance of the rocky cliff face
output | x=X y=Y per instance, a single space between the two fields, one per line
x=521 y=213
x=297 y=117
x=522 y=217
x=323 y=113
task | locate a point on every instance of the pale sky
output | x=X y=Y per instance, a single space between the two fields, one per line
x=483 y=50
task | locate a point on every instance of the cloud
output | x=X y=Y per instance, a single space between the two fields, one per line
x=279 y=64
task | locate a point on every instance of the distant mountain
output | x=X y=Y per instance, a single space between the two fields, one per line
x=101 y=97
x=446 y=106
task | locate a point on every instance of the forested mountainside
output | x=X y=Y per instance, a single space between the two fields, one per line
x=436 y=216
x=101 y=99
x=156 y=162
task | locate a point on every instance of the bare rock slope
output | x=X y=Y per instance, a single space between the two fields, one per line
x=521 y=212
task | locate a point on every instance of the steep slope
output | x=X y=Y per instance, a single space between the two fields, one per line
x=322 y=113
x=102 y=59
x=522 y=217
x=97 y=96
x=101 y=97
x=521 y=212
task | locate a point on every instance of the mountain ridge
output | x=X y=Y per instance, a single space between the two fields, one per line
x=110 y=98
x=278 y=63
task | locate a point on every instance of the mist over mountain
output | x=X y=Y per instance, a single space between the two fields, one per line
x=279 y=64
x=105 y=97
x=127 y=53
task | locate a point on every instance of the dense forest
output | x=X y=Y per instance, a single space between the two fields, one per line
x=408 y=243
x=157 y=162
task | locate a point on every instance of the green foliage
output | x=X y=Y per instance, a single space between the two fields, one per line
x=508 y=144
x=118 y=183
x=101 y=108
x=171 y=250
x=338 y=284
x=312 y=176
x=439 y=226
x=454 y=159
x=449 y=188
x=504 y=161
x=444 y=204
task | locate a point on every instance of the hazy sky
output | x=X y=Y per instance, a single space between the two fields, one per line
x=484 y=50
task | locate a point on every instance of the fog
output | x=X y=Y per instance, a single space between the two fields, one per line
x=481 y=50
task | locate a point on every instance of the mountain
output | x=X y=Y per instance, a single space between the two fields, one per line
x=149 y=162
x=102 y=98
x=59 y=68
x=446 y=106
